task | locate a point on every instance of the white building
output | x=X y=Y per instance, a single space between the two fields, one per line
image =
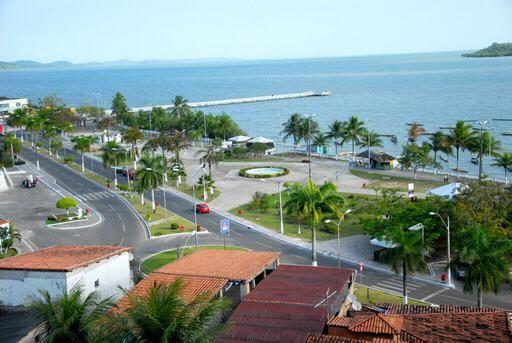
x=96 y=268
x=8 y=105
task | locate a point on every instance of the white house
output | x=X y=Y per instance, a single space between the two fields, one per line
x=8 y=105
x=96 y=268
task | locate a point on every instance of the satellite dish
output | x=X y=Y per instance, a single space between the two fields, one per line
x=356 y=306
x=351 y=298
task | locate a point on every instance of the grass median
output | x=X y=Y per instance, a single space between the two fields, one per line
x=163 y=258
x=378 y=180
x=370 y=296
x=271 y=218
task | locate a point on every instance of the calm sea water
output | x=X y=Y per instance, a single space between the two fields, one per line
x=387 y=91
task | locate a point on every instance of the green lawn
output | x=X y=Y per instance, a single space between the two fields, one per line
x=145 y=210
x=165 y=228
x=270 y=219
x=163 y=258
x=10 y=252
x=400 y=183
x=187 y=189
x=362 y=293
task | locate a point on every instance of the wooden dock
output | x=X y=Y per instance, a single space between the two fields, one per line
x=234 y=101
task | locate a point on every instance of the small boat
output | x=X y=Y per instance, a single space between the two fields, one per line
x=474 y=160
x=460 y=170
x=394 y=139
x=419 y=124
x=507 y=133
x=443 y=158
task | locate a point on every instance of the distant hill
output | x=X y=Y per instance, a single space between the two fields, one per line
x=494 y=50
x=27 y=64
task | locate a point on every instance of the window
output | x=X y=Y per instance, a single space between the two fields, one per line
x=97 y=283
x=18 y=104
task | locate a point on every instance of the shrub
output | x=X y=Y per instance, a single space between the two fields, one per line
x=123 y=188
x=69 y=159
x=66 y=203
x=243 y=173
x=174 y=226
x=329 y=227
x=305 y=161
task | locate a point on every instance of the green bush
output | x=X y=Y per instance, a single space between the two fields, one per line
x=122 y=187
x=68 y=159
x=174 y=226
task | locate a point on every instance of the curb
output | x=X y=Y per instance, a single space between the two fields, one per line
x=180 y=234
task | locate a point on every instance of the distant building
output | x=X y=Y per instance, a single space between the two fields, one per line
x=96 y=268
x=8 y=105
x=378 y=159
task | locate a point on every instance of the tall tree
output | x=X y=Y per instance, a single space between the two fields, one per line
x=486 y=260
x=292 y=129
x=370 y=139
x=321 y=140
x=483 y=144
x=166 y=314
x=308 y=129
x=150 y=175
x=313 y=201
x=438 y=142
x=461 y=138
x=354 y=129
x=504 y=161
x=209 y=155
x=336 y=131
x=415 y=157
x=119 y=107
x=83 y=145
x=406 y=256
x=71 y=317
x=179 y=141
x=180 y=107
x=131 y=136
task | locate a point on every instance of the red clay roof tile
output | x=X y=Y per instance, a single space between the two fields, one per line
x=235 y=265
x=61 y=258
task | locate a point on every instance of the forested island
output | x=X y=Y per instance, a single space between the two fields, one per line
x=494 y=50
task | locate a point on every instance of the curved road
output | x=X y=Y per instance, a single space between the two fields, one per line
x=121 y=226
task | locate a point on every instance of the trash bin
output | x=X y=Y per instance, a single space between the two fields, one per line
x=443 y=277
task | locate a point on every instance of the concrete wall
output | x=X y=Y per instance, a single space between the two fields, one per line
x=110 y=274
x=17 y=286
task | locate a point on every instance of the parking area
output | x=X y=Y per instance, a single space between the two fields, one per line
x=29 y=207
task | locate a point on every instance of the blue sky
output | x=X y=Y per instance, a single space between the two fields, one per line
x=82 y=31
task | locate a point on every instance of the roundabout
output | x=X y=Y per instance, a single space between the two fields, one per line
x=263 y=172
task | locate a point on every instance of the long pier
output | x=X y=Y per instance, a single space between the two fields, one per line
x=234 y=101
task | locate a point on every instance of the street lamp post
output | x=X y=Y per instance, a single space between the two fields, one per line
x=447 y=226
x=338 y=224
x=194 y=203
x=421 y=227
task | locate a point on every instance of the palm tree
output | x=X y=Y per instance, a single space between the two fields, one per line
x=336 y=130
x=308 y=129
x=14 y=144
x=165 y=314
x=17 y=120
x=321 y=140
x=49 y=133
x=485 y=260
x=293 y=208
x=225 y=123
x=179 y=141
x=209 y=155
x=151 y=145
x=109 y=154
x=484 y=144
x=504 y=161
x=150 y=175
x=439 y=142
x=354 y=128
x=415 y=130
x=312 y=201
x=370 y=139
x=180 y=107
x=83 y=145
x=406 y=256
x=7 y=238
x=292 y=129
x=460 y=138
x=131 y=136
x=71 y=317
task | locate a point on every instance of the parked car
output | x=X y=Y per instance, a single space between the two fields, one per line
x=119 y=170
x=19 y=162
x=460 y=271
x=202 y=208
x=131 y=173
x=30 y=182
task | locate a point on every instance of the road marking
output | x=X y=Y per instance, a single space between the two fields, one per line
x=263 y=244
x=236 y=233
x=439 y=291
x=301 y=257
x=118 y=216
x=111 y=207
x=31 y=246
x=124 y=228
x=387 y=283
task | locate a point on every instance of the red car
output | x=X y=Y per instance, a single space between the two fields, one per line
x=202 y=208
x=131 y=173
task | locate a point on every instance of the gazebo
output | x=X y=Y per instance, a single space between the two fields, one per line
x=239 y=139
x=379 y=159
x=262 y=140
